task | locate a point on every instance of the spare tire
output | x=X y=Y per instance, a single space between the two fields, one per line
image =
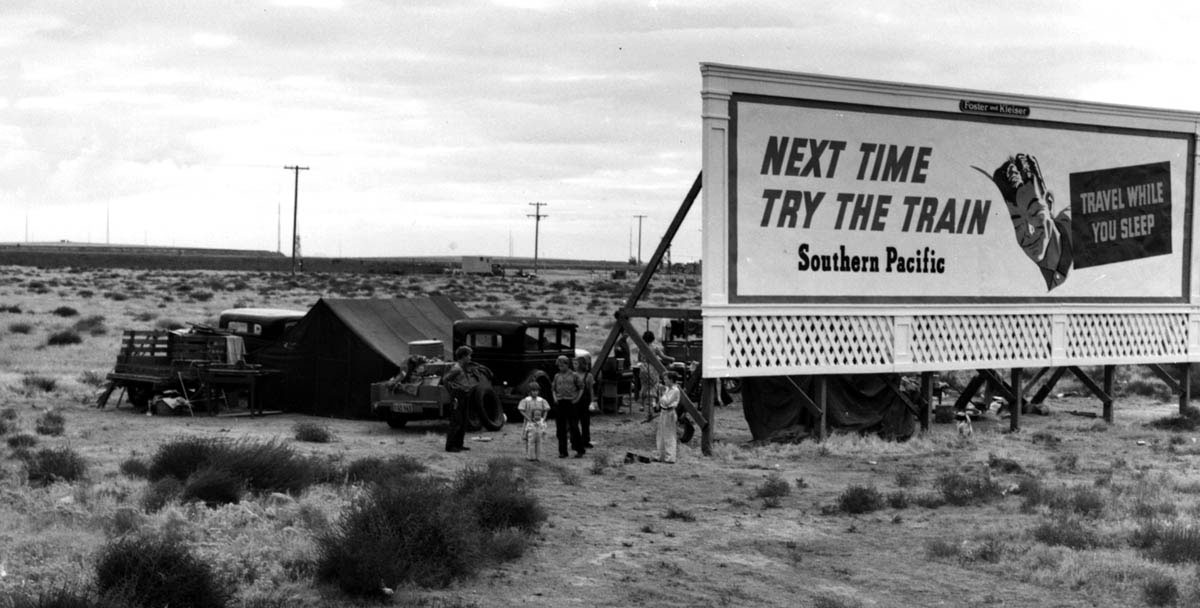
x=488 y=409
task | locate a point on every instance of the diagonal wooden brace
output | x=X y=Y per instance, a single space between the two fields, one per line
x=650 y=358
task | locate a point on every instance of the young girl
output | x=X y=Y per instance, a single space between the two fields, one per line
x=667 y=418
x=534 y=409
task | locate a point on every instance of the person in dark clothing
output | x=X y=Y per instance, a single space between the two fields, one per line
x=566 y=388
x=583 y=405
x=460 y=383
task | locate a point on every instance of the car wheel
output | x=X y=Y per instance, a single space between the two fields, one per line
x=397 y=421
x=489 y=409
x=139 y=395
x=471 y=418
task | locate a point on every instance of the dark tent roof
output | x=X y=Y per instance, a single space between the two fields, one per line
x=330 y=358
x=388 y=326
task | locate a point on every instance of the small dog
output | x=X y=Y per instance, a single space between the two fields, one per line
x=963 y=421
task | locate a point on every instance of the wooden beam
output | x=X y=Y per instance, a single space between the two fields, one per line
x=895 y=388
x=1185 y=392
x=969 y=391
x=1165 y=376
x=648 y=272
x=662 y=313
x=822 y=403
x=927 y=397
x=708 y=395
x=1109 y=373
x=1014 y=419
x=650 y=358
x=1040 y=396
x=1091 y=385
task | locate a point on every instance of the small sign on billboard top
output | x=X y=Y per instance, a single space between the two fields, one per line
x=991 y=107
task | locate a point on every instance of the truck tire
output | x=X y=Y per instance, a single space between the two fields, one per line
x=397 y=421
x=490 y=410
x=471 y=419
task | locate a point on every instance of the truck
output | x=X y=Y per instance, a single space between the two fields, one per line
x=198 y=364
x=509 y=353
x=481 y=265
x=424 y=398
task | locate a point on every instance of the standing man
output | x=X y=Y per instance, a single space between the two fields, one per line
x=460 y=383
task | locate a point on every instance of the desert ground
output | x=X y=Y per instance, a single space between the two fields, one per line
x=1070 y=511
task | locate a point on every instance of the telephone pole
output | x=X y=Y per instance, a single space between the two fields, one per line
x=537 y=223
x=295 y=208
x=639 y=219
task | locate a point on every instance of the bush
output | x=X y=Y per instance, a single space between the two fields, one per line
x=155 y=572
x=214 y=486
x=497 y=498
x=774 y=486
x=6 y=427
x=312 y=432
x=1160 y=590
x=159 y=493
x=373 y=469
x=266 y=466
x=859 y=499
x=136 y=468
x=897 y=500
x=20 y=327
x=961 y=489
x=8 y=413
x=66 y=311
x=93 y=378
x=1174 y=544
x=61 y=598
x=680 y=514
x=93 y=325
x=48 y=465
x=400 y=534
x=51 y=423
x=38 y=383
x=64 y=338
x=1067 y=532
x=22 y=441
x=180 y=458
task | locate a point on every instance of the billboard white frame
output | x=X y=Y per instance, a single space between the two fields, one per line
x=761 y=319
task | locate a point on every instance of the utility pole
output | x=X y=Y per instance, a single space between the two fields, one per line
x=639 y=219
x=537 y=223
x=295 y=208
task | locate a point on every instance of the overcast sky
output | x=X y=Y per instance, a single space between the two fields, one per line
x=429 y=126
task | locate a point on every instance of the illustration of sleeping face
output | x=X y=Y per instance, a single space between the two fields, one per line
x=1030 y=210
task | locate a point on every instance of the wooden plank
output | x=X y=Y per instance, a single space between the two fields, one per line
x=1185 y=393
x=1090 y=384
x=927 y=398
x=708 y=393
x=1043 y=392
x=1165 y=376
x=1109 y=373
x=649 y=357
x=1014 y=420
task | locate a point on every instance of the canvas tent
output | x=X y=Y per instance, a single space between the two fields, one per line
x=773 y=408
x=331 y=357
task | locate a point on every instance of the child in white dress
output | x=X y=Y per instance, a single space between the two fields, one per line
x=534 y=409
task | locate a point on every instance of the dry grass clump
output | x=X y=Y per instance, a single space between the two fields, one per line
x=20 y=327
x=155 y=571
x=51 y=423
x=64 y=337
x=772 y=490
x=860 y=499
x=312 y=432
x=35 y=383
x=964 y=488
x=65 y=311
x=49 y=465
x=92 y=325
x=373 y=469
x=429 y=532
x=269 y=466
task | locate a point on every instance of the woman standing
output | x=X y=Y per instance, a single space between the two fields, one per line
x=566 y=388
x=667 y=418
x=583 y=405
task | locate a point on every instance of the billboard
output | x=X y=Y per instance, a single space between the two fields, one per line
x=837 y=200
